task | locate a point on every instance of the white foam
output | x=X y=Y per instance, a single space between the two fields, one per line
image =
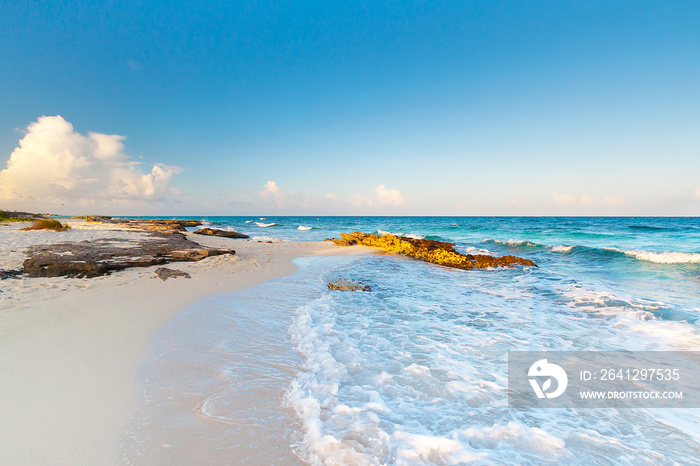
x=513 y=435
x=562 y=248
x=668 y=257
x=402 y=235
x=512 y=242
x=267 y=238
x=473 y=250
x=265 y=225
x=303 y=228
x=416 y=372
x=431 y=449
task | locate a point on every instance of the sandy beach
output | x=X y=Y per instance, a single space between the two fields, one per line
x=69 y=347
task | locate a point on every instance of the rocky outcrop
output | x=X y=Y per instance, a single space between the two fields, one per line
x=164 y=273
x=102 y=256
x=148 y=224
x=222 y=233
x=348 y=285
x=426 y=250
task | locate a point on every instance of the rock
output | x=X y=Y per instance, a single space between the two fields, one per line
x=99 y=257
x=348 y=285
x=436 y=252
x=222 y=233
x=155 y=224
x=164 y=273
x=10 y=274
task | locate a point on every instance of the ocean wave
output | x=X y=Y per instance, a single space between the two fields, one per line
x=530 y=245
x=516 y=243
x=265 y=225
x=562 y=248
x=248 y=221
x=267 y=238
x=648 y=228
x=473 y=250
x=303 y=228
x=402 y=235
x=667 y=257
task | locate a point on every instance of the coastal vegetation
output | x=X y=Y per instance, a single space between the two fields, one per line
x=6 y=216
x=47 y=224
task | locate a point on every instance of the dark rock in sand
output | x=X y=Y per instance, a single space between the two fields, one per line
x=436 y=252
x=10 y=274
x=102 y=256
x=164 y=273
x=222 y=233
x=348 y=285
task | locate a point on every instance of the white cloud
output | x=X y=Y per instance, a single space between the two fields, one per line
x=587 y=200
x=568 y=199
x=272 y=188
x=564 y=198
x=514 y=203
x=330 y=196
x=54 y=165
x=615 y=200
x=273 y=192
x=388 y=196
x=358 y=200
x=697 y=192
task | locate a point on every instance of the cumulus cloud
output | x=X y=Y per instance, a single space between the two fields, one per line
x=514 y=203
x=568 y=199
x=273 y=192
x=358 y=200
x=388 y=196
x=383 y=197
x=54 y=165
x=564 y=198
x=615 y=200
x=586 y=199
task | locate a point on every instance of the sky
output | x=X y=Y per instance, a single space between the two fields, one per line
x=350 y=108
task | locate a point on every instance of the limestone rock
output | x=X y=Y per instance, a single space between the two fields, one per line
x=164 y=273
x=149 y=224
x=102 y=256
x=436 y=252
x=218 y=232
x=348 y=285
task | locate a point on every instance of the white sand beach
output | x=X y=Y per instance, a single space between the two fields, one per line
x=69 y=347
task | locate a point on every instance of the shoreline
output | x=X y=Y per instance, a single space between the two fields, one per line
x=69 y=348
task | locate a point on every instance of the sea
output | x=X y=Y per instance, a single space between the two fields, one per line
x=415 y=371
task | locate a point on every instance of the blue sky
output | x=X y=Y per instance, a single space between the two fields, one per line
x=375 y=108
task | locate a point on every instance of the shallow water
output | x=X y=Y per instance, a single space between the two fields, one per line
x=416 y=370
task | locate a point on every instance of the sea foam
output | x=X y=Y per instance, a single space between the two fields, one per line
x=667 y=257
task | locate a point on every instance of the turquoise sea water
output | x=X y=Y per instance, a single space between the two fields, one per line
x=415 y=372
